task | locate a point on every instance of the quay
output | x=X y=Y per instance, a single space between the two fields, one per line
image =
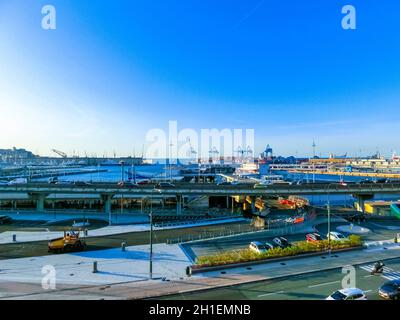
x=350 y=174
x=53 y=173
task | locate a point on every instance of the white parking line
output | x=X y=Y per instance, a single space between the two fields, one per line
x=323 y=284
x=271 y=293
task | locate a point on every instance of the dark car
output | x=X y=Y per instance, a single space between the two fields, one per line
x=164 y=185
x=52 y=180
x=5 y=219
x=365 y=181
x=382 y=181
x=82 y=184
x=225 y=183
x=313 y=237
x=390 y=290
x=357 y=217
x=281 y=242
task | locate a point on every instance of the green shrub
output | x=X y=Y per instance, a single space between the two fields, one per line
x=297 y=248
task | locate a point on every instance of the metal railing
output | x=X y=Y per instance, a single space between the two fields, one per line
x=278 y=228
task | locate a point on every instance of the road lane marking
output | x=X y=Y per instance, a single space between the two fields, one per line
x=271 y=293
x=323 y=284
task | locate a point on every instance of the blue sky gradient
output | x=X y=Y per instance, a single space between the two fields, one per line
x=112 y=70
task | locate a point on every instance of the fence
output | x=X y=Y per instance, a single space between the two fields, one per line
x=274 y=227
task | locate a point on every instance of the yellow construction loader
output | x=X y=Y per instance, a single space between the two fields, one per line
x=70 y=242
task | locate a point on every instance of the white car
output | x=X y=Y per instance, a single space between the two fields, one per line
x=18 y=181
x=258 y=247
x=348 y=294
x=336 y=236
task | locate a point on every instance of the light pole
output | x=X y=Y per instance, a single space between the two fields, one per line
x=151 y=239
x=151 y=235
x=329 y=214
x=329 y=220
x=122 y=163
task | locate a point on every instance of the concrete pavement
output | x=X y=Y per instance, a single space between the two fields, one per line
x=30 y=236
x=178 y=283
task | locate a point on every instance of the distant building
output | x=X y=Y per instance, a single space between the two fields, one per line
x=14 y=155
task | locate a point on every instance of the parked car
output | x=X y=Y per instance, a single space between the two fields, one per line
x=5 y=219
x=82 y=184
x=224 y=183
x=365 y=181
x=258 y=247
x=262 y=185
x=348 y=294
x=52 y=180
x=64 y=182
x=164 y=185
x=313 y=237
x=18 y=181
x=356 y=217
x=269 y=245
x=390 y=290
x=127 y=184
x=336 y=236
x=383 y=180
x=281 y=242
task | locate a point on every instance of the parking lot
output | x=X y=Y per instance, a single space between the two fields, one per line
x=312 y=286
x=378 y=231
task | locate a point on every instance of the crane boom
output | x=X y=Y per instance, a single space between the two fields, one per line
x=60 y=153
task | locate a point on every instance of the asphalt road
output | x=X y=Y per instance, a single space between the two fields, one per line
x=190 y=188
x=312 y=286
x=39 y=248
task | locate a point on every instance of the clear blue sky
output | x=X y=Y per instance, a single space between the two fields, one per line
x=112 y=70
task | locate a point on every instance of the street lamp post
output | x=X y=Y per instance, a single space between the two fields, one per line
x=151 y=235
x=122 y=163
x=329 y=222
x=329 y=215
x=151 y=244
x=151 y=238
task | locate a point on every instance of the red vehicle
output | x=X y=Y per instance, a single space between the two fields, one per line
x=287 y=202
x=313 y=237
x=127 y=184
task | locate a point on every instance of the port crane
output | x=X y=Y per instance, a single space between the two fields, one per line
x=212 y=152
x=249 y=152
x=191 y=150
x=60 y=153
